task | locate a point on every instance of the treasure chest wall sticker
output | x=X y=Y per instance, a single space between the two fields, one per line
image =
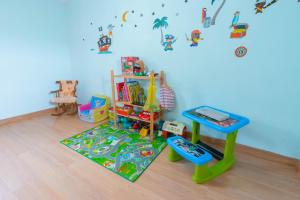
x=105 y=40
x=239 y=30
x=261 y=5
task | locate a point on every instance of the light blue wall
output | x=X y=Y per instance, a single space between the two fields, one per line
x=263 y=86
x=33 y=54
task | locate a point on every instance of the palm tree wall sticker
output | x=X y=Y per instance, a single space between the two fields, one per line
x=213 y=21
x=161 y=23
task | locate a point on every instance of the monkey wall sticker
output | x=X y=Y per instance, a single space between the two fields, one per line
x=261 y=5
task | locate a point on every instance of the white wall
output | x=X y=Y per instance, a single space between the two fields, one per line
x=33 y=54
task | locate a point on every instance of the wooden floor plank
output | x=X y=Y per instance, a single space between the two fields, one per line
x=36 y=166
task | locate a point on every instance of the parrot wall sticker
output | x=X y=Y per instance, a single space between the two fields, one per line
x=235 y=19
x=206 y=21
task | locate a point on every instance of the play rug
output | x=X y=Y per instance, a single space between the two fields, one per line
x=121 y=151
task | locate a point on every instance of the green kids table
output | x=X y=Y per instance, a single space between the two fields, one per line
x=200 y=153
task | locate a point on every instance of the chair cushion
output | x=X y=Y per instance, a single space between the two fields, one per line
x=64 y=100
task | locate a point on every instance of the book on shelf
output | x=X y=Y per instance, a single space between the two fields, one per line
x=131 y=92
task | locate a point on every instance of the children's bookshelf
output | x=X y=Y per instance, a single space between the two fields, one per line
x=126 y=78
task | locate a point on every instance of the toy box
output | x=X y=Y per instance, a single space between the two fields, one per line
x=96 y=110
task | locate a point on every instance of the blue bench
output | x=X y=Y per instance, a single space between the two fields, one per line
x=189 y=151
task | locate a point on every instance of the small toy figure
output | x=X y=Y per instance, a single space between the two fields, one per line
x=195 y=37
x=169 y=40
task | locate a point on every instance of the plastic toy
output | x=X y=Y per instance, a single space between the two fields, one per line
x=174 y=127
x=200 y=153
x=132 y=65
x=146 y=115
x=96 y=110
x=126 y=124
x=144 y=131
x=125 y=110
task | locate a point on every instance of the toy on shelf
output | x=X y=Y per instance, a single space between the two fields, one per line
x=126 y=124
x=146 y=115
x=131 y=92
x=140 y=68
x=175 y=128
x=200 y=153
x=136 y=125
x=133 y=66
x=145 y=111
x=144 y=131
x=125 y=110
x=96 y=110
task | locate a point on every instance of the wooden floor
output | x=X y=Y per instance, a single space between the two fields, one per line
x=34 y=165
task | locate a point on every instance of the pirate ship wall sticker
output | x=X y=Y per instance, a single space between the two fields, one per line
x=105 y=40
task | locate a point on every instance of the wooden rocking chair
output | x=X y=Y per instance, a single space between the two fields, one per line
x=65 y=98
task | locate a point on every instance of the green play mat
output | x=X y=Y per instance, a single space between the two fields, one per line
x=121 y=151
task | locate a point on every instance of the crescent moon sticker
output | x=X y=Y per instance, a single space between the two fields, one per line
x=124 y=16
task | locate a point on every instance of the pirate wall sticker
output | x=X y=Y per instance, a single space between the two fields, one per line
x=104 y=42
x=239 y=30
x=195 y=38
x=168 y=40
x=261 y=5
